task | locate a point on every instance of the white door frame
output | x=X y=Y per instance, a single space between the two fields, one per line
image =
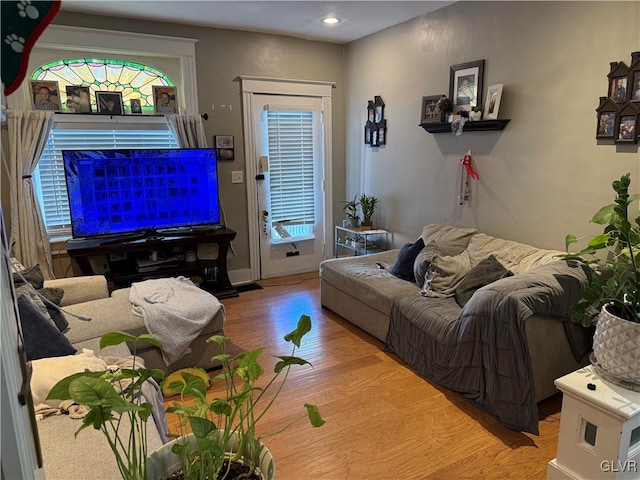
x=276 y=86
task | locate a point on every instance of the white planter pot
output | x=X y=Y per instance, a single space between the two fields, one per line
x=475 y=116
x=163 y=462
x=616 y=347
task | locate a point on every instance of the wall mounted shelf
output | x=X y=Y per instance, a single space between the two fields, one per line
x=477 y=126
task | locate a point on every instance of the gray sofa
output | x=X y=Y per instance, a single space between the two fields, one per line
x=66 y=457
x=502 y=351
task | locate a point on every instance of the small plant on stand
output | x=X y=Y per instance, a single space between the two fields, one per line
x=351 y=211
x=476 y=113
x=368 y=205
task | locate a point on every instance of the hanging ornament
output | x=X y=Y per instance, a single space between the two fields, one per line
x=466 y=171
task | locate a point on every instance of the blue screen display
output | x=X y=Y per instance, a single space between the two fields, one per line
x=122 y=191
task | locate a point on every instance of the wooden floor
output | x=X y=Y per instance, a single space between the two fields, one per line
x=383 y=420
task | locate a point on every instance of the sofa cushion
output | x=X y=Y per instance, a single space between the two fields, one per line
x=33 y=277
x=403 y=266
x=451 y=240
x=423 y=261
x=360 y=278
x=41 y=337
x=514 y=256
x=487 y=271
x=445 y=273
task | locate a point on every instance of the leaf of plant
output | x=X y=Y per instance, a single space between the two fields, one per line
x=95 y=392
x=314 y=415
x=599 y=241
x=603 y=216
x=569 y=239
x=219 y=339
x=201 y=427
x=60 y=390
x=145 y=411
x=304 y=327
x=220 y=407
x=147 y=338
x=115 y=338
x=287 y=361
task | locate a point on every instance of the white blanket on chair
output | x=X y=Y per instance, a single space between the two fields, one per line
x=175 y=312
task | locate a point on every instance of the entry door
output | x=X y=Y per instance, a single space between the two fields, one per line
x=289 y=145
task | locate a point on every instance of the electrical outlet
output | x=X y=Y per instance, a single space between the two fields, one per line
x=237 y=176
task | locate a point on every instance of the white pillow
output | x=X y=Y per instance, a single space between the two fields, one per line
x=445 y=274
x=49 y=371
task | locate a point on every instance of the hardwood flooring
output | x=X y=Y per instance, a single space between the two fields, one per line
x=384 y=422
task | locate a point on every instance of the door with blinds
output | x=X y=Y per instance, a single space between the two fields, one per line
x=289 y=183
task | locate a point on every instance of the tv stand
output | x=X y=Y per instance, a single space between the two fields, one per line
x=123 y=269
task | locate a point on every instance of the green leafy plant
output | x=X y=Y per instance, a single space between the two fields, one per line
x=350 y=208
x=115 y=400
x=477 y=108
x=368 y=205
x=615 y=280
x=214 y=422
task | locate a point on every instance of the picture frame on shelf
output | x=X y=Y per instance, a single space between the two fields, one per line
x=224 y=147
x=430 y=113
x=606 y=124
x=492 y=104
x=78 y=99
x=627 y=129
x=45 y=95
x=466 y=84
x=136 y=106
x=110 y=103
x=165 y=99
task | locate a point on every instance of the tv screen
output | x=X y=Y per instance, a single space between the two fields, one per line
x=135 y=190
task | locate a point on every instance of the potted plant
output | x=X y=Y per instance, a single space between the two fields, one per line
x=224 y=429
x=612 y=299
x=350 y=208
x=368 y=205
x=114 y=402
x=476 y=113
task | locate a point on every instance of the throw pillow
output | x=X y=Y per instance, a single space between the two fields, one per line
x=444 y=275
x=41 y=337
x=32 y=275
x=487 y=271
x=54 y=295
x=403 y=266
x=423 y=261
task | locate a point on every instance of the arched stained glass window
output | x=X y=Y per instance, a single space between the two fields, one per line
x=134 y=80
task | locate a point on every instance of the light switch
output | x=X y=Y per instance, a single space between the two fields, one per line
x=237 y=176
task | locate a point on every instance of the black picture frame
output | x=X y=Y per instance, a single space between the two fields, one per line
x=606 y=125
x=430 y=113
x=627 y=128
x=378 y=104
x=382 y=133
x=367 y=132
x=466 y=83
x=618 y=89
x=104 y=99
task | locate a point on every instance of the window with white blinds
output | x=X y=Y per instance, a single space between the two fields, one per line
x=49 y=177
x=291 y=169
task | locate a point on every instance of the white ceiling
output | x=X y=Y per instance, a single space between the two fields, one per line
x=301 y=19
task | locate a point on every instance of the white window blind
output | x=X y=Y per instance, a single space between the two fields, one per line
x=49 y=177
x=291 y=167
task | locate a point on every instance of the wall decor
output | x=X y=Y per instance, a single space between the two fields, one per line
x=165 y=99
x=136 y=106
x=465 y=85
x=109 y=103
x=45 y=95
x=375 y=130
x=618 y=114
x=494 y=95
x=627 y=124
x=78 y=99
x=430 y=113
x=224 y=147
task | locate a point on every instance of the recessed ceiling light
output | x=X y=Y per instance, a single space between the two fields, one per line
x=331 y=20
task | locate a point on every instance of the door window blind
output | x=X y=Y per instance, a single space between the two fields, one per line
x=49 y=180
x=291 y=167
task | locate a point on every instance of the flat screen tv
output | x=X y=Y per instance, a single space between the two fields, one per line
x=141 y=191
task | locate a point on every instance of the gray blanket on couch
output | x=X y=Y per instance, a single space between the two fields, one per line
x=481 y=351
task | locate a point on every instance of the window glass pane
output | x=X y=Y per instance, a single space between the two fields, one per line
x=291 y=168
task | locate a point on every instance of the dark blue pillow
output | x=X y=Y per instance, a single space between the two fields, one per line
x=403 y=267
x=41 y=337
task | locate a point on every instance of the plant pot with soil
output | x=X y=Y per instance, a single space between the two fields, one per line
x=612 y=299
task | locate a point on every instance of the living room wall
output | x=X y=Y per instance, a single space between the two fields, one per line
x=223 y=55
x=545 y=174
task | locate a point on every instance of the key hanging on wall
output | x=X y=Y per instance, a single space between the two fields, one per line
x=466 y=171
